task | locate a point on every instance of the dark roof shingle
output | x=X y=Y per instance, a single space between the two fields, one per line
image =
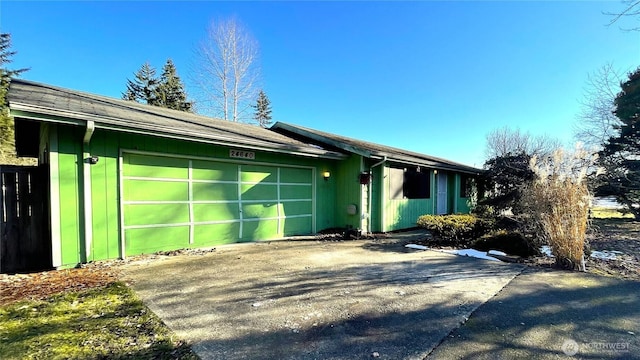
x=115 y=114
x=369 y=149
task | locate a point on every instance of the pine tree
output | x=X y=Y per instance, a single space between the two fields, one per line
x=262 y=114
x=166 y=91
x=7 y=140
x=620 y=157
x=171 y=92
x=144 y=87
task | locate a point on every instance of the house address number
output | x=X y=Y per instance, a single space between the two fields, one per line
x=239 y=154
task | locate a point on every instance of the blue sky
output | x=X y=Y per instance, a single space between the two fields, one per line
x=432 y=77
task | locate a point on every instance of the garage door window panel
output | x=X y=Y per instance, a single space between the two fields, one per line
x=215 y=212
x=147 y=190
x=146 y=240
x=259 y=229
x=215 y=234
x=296 y=176
x=214 y=171
x=296 y=192
x=292 y=208
x=153 y=214
x=260 y=210
x=259 y=192
x=206 y=191
x=156 y=167
x=256 y=174
x=297 y=225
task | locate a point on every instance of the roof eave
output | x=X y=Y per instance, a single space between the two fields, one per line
x=322 y=139
x=428 y=163
x=39 y=113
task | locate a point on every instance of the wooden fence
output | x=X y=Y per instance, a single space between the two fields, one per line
x=25 y=241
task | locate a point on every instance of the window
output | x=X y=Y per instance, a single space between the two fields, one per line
x=409 y=183
x=466 y=185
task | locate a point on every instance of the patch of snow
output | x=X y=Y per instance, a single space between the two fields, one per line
x=471 y=252
x=605 y=254
x=546 y=251
x=417 y=247
x=496 y=252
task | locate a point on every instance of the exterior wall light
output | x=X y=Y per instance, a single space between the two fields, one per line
x=435 y=172
x=326 y=175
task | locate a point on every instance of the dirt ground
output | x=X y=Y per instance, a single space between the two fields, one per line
x=621 y=235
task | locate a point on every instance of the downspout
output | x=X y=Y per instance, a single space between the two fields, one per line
x=86 y=187
x=384 y=159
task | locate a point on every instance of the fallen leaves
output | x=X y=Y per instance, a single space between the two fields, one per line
x=37 y=286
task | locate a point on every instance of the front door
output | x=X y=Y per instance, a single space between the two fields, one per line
x=441 y=200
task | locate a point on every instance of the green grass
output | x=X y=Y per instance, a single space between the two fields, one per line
x=108 y=322
x=608 y=213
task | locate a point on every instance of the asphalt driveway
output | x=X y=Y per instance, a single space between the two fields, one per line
x=316 y=299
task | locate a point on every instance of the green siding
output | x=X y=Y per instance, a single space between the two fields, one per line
x=70 y=175
x=377 y=182
x=349 y=188
x=462 y=203
x=403 y=214
x=210 y=181
x=105 y=191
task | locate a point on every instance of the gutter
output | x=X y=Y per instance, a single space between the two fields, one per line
x=86 y=187
x=384 y=159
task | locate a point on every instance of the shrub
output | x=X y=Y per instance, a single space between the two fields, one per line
x=453 y=228
x=558 y=202
x=511 y=242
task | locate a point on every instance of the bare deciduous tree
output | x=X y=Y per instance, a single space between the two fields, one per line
x=504 y=141
x=227 y=70
x=596 y=122
x=632 y=8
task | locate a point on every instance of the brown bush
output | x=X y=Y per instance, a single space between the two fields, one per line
x=558 y=202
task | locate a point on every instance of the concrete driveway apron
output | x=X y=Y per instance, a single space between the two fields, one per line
x=316 y=299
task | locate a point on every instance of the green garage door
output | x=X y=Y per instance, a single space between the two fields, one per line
x=172 y=203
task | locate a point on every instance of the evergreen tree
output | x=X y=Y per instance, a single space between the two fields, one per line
x=144 y=87
x=506 y=177
x=166 y=91
x=262 y=114
x=171 y=92
x=7 y=139
x=620 y=157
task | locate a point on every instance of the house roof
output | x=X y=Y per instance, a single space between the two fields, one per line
x=369 y=150
x=40 y=102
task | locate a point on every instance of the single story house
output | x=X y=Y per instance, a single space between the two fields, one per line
x=123 y=179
